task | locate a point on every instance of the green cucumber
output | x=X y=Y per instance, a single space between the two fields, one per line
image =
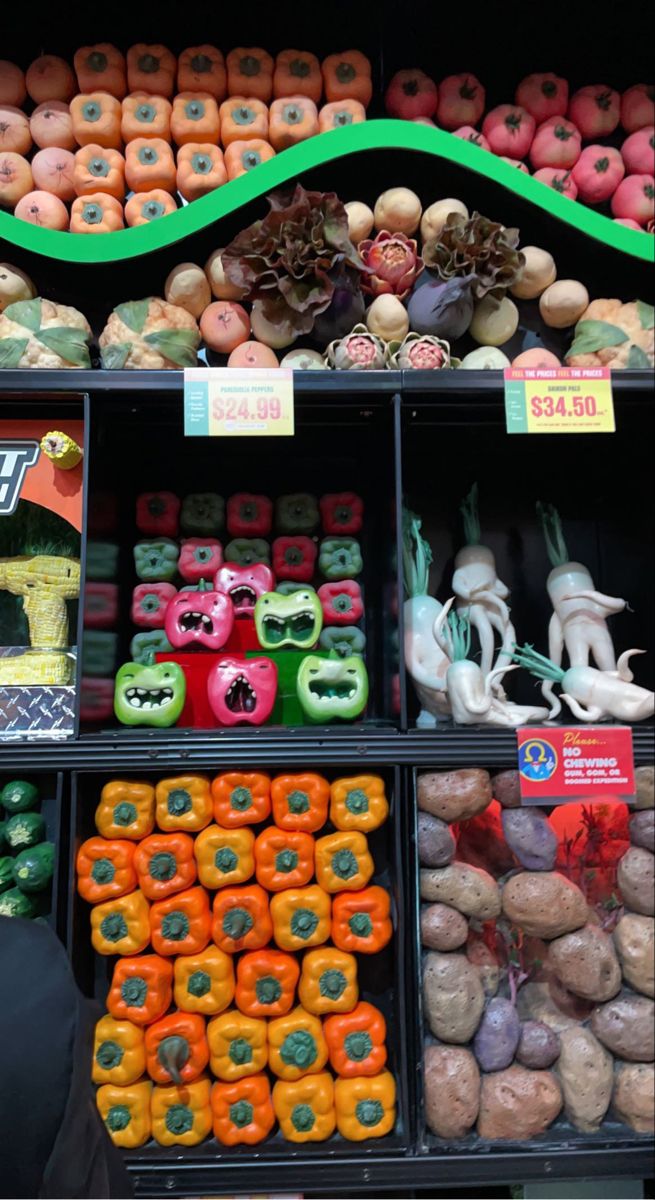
x=6 y=873
x=17 y=796
x=14 y=903
x=33 y=867
x=25 y=829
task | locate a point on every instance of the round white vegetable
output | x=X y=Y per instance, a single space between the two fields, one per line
x=360 y=220
x=494 y=321
x=263 y=331
x=187 y=286
x=435 y=217
x=485 y=358
x=398 y=210
x=304 y=360
x=14 y=285
x=220 y=286
x=538 y=273
x=563 y=303
x=387 y=317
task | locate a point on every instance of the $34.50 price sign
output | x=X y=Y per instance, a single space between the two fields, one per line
x=227 y=402
x=562 y=400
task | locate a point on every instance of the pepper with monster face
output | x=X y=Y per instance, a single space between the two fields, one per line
x=330 y=688
x=294 y=620
x=202 y=618
x=149 y=693
x=243 y=585
x=242 y=691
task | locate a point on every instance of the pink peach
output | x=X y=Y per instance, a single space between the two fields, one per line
x=224 y=325
x=52 y=170
x=12 y=84
x=44 y=209
x=252 y=354
x=52 y=125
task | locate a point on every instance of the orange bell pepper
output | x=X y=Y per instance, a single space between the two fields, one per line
x=96 y=117
x=105 y=869
x=242 y=920
x=202 y=69
x=343 y=862
x=297 y=72
x=340 y=113
x=181 y=924
x=151 y=69
x=301 y=918
x=243 y=1111
x=145 y=116
x=283 y=858
x=195 y=118
x=358 y=803
x=165 y=864
x=356 y=1041
x=243 y=118
x=291 y=120
x=347 y=76
x=243 y=156
x=360 y=920
x=121 y=926
x=328 y=983
x=176 y=1048
x=181 y=1116
x=365 y=1106
x=266 y=983
x=126 y=810
x=100 y=68
x=183 y=803
x=141 y=989
x=118 y=1052
x=296 y=1045
x=250 y=73
x=126 y=1113
x=149 y=163
x=300 y=802
x=224 y=856
x=241 y=798
x=305 y=1107
x=204 y=982
x=238 y=1045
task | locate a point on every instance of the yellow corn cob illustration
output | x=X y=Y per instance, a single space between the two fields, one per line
x=61 y=449
x=45 y=582
x=35 y=668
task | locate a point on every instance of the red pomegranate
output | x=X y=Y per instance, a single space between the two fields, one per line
x=638 y=152
x=411 y=94
x=638 y=107
x=560 y=181
x=597 y=173
x=634 y=198
x=469 y=134
x=557 y=143
x=461 y=101
x=595 y=110
x=543 y=95
x=509 y=129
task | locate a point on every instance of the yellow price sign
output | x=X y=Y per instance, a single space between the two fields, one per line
x=561 y=400
x=229 y=402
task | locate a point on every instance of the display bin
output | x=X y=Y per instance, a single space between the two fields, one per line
x=386 y=980
x=53 y=805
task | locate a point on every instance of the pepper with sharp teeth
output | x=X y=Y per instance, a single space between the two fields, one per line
x=202 y=618
x=296 y=513
x=203 y=513
x=294 y=620
x=156 y=561
x=243 y=585
x=199 y=558
x=246 y=552
x=340 y=558
x=149 y=693
x=334 y=687
x=242 y=691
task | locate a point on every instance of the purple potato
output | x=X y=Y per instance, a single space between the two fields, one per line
x=530 y=835
x=506 y=787
x=497 y=1037
x=436 y=844
x=538 y=1045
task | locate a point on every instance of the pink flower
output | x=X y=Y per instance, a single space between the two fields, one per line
x=394 y=264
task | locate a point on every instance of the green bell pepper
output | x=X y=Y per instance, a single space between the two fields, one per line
x=296 y=513
x=18 y=796
x=343 y=639
x=14 y=903
x=33 y=867
x=149 y=642
x=149 y=693
x=99 y=653
x=101 y=561
x=294 y=620
x=24 y=829
x=246 y=551
x=288 y=586
x=6 y=872
x=330 y=688
x=340 y=558
x=202 y=513
x=156 y=560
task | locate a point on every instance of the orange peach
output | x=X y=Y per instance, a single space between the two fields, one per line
x=52 y=171
x=14 y=130
x=12 y=84
x=44 y=209
x=15 y=179
x=538 y=358
x=224 y=325
x=144 y=207
x=252 y=354
x=50 y=78
x=51 y=124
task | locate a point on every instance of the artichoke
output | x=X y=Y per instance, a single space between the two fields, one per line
x=359 y=350
x=419 y=352
x=394 y=262
x=442 y=309
x=479 y=248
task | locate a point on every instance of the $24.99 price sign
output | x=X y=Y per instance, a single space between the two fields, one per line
x=561 y=400
x=227 y=402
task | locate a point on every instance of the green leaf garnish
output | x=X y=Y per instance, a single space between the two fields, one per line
x=11 y=350
x=69 y=344
x=596 y=335
x=134 y=314
x=178 y=345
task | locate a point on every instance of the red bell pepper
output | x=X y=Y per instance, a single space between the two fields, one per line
x=294 y=558
x=342 y=512
x=149 y=604
x=100 y=605
x=248 y=515
x=341 y=602
x=96 y=699
x=200 y=558
x=158 y=513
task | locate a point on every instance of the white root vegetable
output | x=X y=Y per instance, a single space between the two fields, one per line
x=593 y=695
x=424 y=658
x=480 y=594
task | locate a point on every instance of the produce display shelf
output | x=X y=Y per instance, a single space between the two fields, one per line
x=140 y=749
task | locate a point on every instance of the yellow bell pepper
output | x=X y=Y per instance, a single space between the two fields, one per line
x=126 y=810
x=184 y=803
x=358 y=803
x=121 y=926
x=224 y=856
x=126 y=1113
x=204 y=982
x=238 y=1045
x=343 y=862
x=296 y=1045
x=365 y=1106
x=301 y=917
x=305 y=1107
x=328 y=982
x=118 y=1052
x=181 y=1116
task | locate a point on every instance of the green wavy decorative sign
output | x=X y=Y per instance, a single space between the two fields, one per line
x=352 y=139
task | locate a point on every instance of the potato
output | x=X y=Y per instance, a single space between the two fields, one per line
x=634 y=938
x=518 y=1104
x=453 y=997
x=494 y=321
x=506 y=787
x=436 y=844
x=585 y=962
x=642 y=829
x=485 y=960
x=563 y=303
x=586 y=1074
x=626 y=1026
x=538 y=273
x=435 y=217
x=468 y=889
x=187 y=287
x=454 y=795
x=442 y=927
x=645 y=785
x=398 y=210
x=14 y=285
x=452 y=1090
x=530 y=835
x=544 y=903
x=538 y=1045
x=360 y=220
x=636 y=878
x=220 y=285
x=634 y=1096
x=497 y=1035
